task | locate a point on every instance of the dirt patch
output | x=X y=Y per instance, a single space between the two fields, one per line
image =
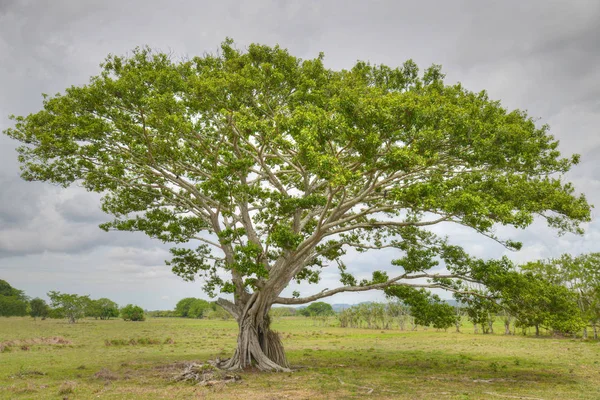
x=25 y=344
x=174 y=367
x=106 y=375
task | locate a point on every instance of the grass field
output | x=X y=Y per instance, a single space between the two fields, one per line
x=331 y=362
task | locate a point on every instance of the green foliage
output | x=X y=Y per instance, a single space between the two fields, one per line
x=317 y=309
x=191 y=307
x=198 y=308
x=580 y=275
x=132 y=313
x=38 y=308
x=69 y=306
x=426 y=308
x=12 y=306
x=536 y=301
x=161 y=313
x=102 y=308
x=13 y=302
x=7 y=290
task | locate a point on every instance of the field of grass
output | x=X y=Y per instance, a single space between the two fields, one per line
x=98 y=359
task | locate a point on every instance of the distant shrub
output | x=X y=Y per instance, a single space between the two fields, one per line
x=132 y=313
x=38 y=308
x=161 y=313
x=277 y=312
x=139 y=341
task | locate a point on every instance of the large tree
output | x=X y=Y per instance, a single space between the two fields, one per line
x=276 y=166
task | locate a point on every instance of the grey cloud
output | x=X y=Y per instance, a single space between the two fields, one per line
x=19 y=201
x=83 y=207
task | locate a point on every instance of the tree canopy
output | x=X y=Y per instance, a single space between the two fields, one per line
x=317 y=309
x=580 y=277
x=69 y=306
x=191 y=307
x=13 y=302
x=266 y=168
x=132 y=312
x=38 y=308
x=102 y=308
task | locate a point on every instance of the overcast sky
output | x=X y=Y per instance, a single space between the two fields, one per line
x=542 y=56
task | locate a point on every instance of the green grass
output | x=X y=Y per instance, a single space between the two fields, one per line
x=136 y=360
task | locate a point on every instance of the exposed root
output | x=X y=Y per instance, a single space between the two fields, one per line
x=273 y=349
x=259 y=348
x=206 y=375
x=368 y=389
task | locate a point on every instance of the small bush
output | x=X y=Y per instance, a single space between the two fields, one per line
x=132 y=313
x=66 y=388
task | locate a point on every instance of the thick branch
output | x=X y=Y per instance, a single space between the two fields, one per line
x=383 y=285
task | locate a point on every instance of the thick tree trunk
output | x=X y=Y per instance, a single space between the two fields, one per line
x=537 y=330
x=257 y=344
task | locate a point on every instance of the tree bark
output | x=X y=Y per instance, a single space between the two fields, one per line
x=585 y=333
x=595 y=331
x=537 y=330
x=257 y=344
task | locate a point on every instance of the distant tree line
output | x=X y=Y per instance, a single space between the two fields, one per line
x=71 y=307
x=561 y=295
x=192 y=307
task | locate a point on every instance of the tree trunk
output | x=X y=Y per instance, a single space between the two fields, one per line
x=506 y=327
x=257 y=344
x=595 y=332
x=537 y=330
x=585 y=334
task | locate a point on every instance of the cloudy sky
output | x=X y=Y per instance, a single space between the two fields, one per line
x=542 y=56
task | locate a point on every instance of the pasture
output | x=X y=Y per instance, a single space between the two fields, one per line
x=136 y=360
